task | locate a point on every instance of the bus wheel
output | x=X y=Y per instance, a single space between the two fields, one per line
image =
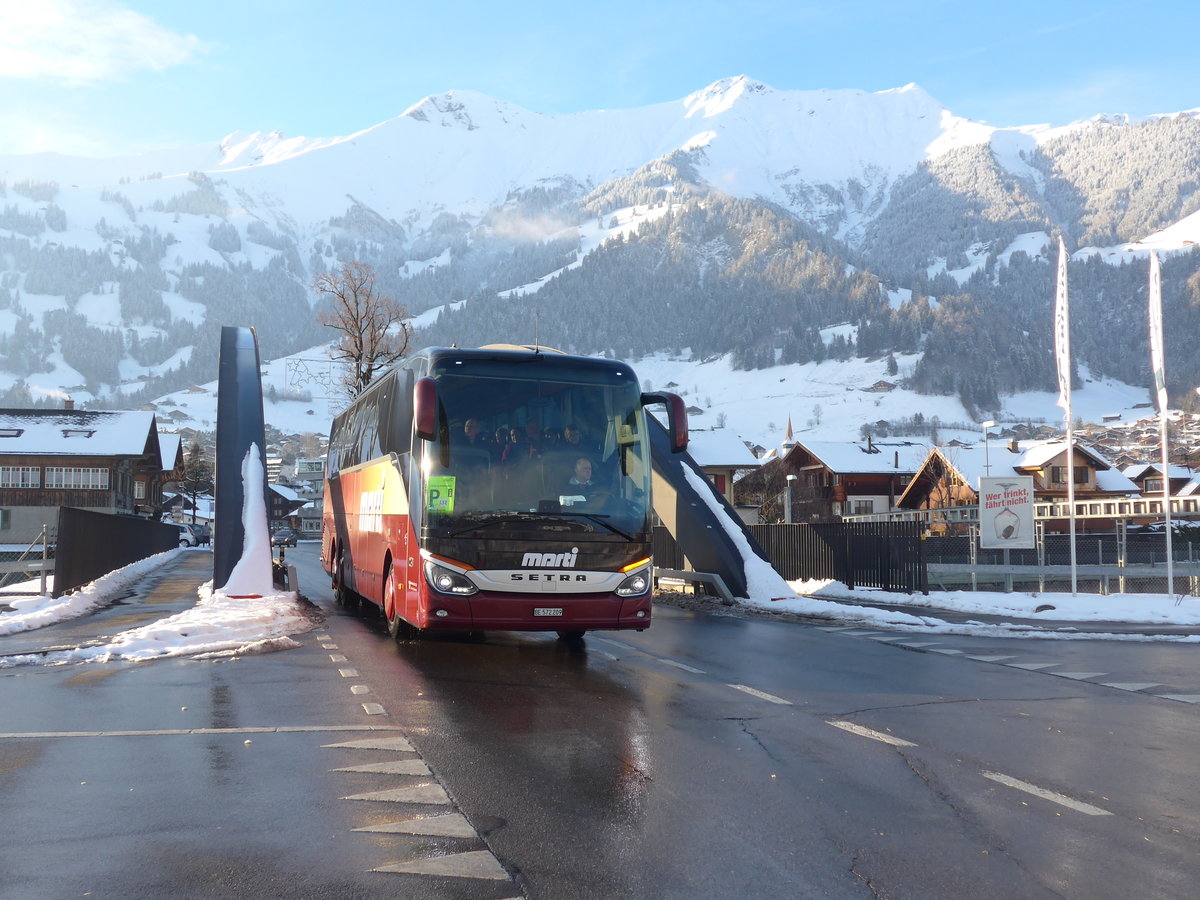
x=342 y=595
x=399 y=629
x=571 y=635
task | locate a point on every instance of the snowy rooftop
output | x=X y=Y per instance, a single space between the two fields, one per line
x=1139 y=470
x=720 y=447
x=77 y=432
x=882 y=457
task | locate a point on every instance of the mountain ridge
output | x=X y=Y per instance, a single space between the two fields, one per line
x=672 y=218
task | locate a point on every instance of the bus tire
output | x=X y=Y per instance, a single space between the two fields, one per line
x=400 y=630
x=342 y=595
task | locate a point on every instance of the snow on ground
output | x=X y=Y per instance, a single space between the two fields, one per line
x=1181 y=237
x=833 y=600
x=221 y=626
x=218 y=625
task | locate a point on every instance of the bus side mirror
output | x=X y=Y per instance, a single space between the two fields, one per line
x=677 y=425
x=425 y=408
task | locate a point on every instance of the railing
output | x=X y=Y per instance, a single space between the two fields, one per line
x=1108 y=508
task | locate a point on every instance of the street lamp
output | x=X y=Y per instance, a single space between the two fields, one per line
x=787 y=494
x=987 y=468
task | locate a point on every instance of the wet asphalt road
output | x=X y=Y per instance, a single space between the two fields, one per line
x=706 y=757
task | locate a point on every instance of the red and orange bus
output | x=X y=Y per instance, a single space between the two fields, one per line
x=496 y=488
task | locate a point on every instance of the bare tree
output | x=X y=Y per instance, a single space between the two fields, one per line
x=375 y=329
x=197 y=475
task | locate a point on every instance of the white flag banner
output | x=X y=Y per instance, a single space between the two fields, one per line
x=1062 y=331
x=1157 y=365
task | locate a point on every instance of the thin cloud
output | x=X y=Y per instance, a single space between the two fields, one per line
x=78 y=42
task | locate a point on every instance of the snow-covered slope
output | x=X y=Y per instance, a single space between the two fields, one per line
x=417 y=190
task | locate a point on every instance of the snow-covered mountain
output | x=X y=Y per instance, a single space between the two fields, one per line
x=741 y=224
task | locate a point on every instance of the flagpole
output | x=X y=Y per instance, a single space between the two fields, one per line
x=1062 y=347
x=1158 y=367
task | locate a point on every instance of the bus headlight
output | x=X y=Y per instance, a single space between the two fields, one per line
x=637 y=583
x=447 y=581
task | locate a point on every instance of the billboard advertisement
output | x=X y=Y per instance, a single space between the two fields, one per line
x=1006 y=512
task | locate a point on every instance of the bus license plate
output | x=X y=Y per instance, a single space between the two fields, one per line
x=547 y=610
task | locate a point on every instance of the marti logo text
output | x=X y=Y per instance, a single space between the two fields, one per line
x=551 y=560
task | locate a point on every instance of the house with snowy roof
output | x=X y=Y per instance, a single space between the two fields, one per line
x=721 y=454
x=832 y=479
x=1148 y=477
x=99 y=460
x=950 y=476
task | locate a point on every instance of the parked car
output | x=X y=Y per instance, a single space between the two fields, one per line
x=284 y=537
x=188 y=535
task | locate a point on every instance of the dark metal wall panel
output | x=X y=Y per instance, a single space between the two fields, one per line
x=239 y=427
x=91 y=544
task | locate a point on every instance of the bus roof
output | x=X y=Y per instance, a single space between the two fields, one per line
x=442 y=357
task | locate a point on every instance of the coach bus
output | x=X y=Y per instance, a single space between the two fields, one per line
x=498 y=488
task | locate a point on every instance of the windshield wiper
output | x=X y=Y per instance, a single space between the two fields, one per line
x=515 y=516
x=598 y=518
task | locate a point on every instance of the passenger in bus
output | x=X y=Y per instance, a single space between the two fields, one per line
x=474 y=435
x=573 y=439
x=523 y=445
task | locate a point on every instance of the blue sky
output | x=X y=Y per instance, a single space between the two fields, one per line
x=107 y=77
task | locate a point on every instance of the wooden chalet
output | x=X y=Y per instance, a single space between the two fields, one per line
x=110 y=462
x=832 y=479
x=950 y=476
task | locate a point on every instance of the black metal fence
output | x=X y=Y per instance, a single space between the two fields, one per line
x=91 y=544
x=887 y=555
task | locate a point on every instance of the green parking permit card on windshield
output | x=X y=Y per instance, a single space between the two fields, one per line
x=440 y=496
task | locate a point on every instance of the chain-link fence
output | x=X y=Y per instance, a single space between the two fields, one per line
x=24 y=557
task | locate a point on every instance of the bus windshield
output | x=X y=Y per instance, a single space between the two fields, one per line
x=556 y=445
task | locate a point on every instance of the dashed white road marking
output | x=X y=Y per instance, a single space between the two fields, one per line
x=923 y=644
x=620 y=644
x=399 y=744
x=1053 y=796
x=944 y=650
x=684 y=666
x=445 y=825
x=990 y=658
x=322 y=637
x=168 y=732
x=761 y=695
x=863 y=731
x=417 y=793
x=337 y=657
x=329 y=646
x=374 y=709
x=348 y=673
x=1032 y=667
x=1078 y=676
x=395 y=767
x=1182 y=698
x=475 y=864
x=358 y=689
x=1131 y=685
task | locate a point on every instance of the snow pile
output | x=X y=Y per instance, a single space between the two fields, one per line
x=1056 y=610
x=762 y=581
x=251 y=575
x=29 y=613
x=218 y=625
